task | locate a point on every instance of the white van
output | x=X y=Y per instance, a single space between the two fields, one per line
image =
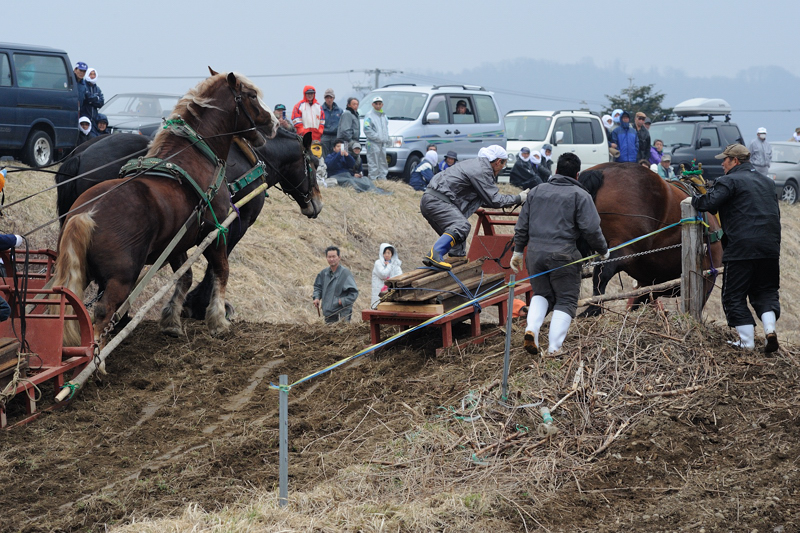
x=579 y=132
x=423 y=115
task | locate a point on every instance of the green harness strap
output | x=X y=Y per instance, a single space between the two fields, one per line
x=257 y=172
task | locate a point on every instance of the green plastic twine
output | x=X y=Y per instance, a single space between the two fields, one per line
x=73 y=388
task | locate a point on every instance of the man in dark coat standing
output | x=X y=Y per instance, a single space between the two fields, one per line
x=751 y=219
x=550 y=223
x=643 y=135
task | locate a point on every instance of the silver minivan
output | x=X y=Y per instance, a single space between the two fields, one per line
x=423 y=115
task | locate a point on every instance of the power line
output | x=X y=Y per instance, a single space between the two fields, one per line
x=508 y=92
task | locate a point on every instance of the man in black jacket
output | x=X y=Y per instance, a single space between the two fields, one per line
x=644 y=136
x=750 y=217
x=554 y=217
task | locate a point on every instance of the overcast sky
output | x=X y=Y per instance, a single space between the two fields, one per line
x=166 y=38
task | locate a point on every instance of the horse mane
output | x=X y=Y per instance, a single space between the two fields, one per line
x=201 y=95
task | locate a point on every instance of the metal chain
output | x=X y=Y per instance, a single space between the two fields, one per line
x=595 y=263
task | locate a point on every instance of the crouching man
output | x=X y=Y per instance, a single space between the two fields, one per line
x=554 y=217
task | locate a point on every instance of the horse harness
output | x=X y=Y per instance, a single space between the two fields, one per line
x=691 y=186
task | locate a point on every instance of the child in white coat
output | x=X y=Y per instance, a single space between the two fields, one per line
x=386 y=266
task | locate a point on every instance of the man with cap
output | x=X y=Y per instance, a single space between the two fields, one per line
x=376 y=130
x=280 y=114
x=760 y=152
x=455 y=194
x=528 y=172
x=647 y=123
x=333 y=113
x=450 y=159
x=80 y=80
x=349 y=123
x=550 y=223
x=664 y=168
x=748 y=211
x=307 y=115
x=626 y=140
x=644 y=137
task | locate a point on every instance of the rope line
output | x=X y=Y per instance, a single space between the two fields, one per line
x=369 y=349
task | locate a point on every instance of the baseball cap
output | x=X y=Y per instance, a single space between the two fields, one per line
x=80 y=65
x=647 y=121
x=280 y=107
x=525 y=150
x=377 y=99
x=329 y=92
x=736 y=151
x=762 y=130
x=666 y=157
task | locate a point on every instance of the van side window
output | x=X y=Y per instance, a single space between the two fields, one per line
x=582 y=131
x=564 y=124
x=464 y=115
x=597 y=132
x=5 y=71
x=41 y=72
x=712 y=135
x=487 y=112
x=439 y=105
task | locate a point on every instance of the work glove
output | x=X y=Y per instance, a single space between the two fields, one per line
x=516 y=262
x=606 y=255
x=523 y=196
x=19 y=241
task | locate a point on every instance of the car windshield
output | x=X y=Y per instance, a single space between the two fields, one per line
x=782 y=153
x=673 y=133
x=140 y=105
x=527 y=127
x=398 y=105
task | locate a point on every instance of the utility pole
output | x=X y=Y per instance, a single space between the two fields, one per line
x=378 y=73
x=362 y=89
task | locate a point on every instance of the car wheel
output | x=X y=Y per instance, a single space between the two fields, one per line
x=38 y=151
x=789 y=194
x=411 y=163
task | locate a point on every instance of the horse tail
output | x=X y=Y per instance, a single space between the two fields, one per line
x=70 y=268
x=67 y=193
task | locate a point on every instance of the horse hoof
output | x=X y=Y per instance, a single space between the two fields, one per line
x=172 y=331
x=591 y=311
x=216 y=332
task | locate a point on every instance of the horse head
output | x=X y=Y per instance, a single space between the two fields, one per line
x=293 y=168
x=251 y=113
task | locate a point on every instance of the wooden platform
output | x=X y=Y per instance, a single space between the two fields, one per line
x=378 y=317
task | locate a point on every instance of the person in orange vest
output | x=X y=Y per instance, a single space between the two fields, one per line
x=307 y=115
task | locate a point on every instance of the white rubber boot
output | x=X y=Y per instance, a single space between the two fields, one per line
x=537 y=310
x=768 y=320
x=747 y=337
x=559 y=325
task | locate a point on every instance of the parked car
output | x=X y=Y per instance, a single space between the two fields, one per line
x=423 y=115
x=38 y=103
x=785 y=170
x=139 y=113
x=698 y=135
x=579 y=132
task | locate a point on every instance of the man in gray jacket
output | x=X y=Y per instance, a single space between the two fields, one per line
x=349 y=125
x=376 y=130
x=454 y=194
x=555 y=216
x=335 y=289
x=760 y=152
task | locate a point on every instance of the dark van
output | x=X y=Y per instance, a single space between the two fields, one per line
x=38 y=103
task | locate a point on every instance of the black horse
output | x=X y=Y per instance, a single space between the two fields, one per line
x=289 y=165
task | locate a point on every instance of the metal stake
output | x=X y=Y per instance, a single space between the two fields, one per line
x=509 y=319
x=283 y=438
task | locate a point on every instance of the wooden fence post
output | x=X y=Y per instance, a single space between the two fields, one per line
x=691 y=263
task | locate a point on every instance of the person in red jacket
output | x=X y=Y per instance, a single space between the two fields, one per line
x=307 y=115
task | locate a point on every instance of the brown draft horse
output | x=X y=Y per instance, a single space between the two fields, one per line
x=634 y=201
x=110 y=240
